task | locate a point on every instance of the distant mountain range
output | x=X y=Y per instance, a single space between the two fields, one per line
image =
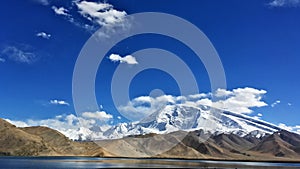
x=281 y=145
x=189 y=118
x=42 y=141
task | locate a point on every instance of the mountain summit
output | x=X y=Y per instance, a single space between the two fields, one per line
x=188 y=118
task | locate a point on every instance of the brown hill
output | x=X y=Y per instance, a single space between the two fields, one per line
x=14 y=141
x=42 y=141
x=231 y=141
x=280 y=144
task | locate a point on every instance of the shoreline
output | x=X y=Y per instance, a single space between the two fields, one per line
x=164 y=158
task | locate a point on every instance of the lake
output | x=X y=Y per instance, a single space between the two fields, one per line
x=91 y=162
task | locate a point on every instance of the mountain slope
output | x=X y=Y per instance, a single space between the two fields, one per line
x=218 y=146
x=188 y=118
x=14 y=141
x=280 y=144
x=42 y=141
x=37 y=141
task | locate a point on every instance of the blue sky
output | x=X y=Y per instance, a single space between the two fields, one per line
x=257 y=41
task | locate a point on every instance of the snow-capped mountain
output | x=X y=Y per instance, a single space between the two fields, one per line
x=188 y=118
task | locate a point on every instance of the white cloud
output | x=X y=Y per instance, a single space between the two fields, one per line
x=258 y=116
x=43 y=35
x=289 y=104
x=285 y=127
x=59 y=102
x=2 y=60
x=42 y=2
x=143 y=106
x=72 y=126
x=19 y=54
x=127 y=59
x=284 y=3
x=99 y=115
x=65 y=12
x=198 y=96
x=275 y=103
x=17 y=123
x=295 y=129
x=222 y=93
x=96 y=14
x=119 y=117
x=239 y=100
x=60 y=10
x=101 y=13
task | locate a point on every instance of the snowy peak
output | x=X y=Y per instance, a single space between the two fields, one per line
x=189 y=118
x=172 y=118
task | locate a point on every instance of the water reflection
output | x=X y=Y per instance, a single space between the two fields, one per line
x=89 y=162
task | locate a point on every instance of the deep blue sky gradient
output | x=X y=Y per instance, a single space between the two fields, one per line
x=259 y=47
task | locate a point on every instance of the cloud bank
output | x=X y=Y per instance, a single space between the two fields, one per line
x=92 y=124
x=87 y=126
x=239 y=100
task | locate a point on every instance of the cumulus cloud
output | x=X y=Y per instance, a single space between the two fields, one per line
x=22 y=54
x=127 y=59
x=99 y=115
x=222 y=93
x=143 y=106
x=275 y=103
x=60 y=11
x=43 y=35
x=239 y=100
x=59 y=102
x=284 y=3
x=95 y=15
x=101 y=13
x=289 y=104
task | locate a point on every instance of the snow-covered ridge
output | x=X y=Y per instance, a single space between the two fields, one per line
x=189 y=118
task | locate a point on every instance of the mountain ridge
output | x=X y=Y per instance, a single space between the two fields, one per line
x=189 y=118
x=43 y=141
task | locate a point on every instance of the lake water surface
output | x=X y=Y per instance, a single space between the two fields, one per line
x=90 y=162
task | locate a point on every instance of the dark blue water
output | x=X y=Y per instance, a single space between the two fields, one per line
x=89 y=162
